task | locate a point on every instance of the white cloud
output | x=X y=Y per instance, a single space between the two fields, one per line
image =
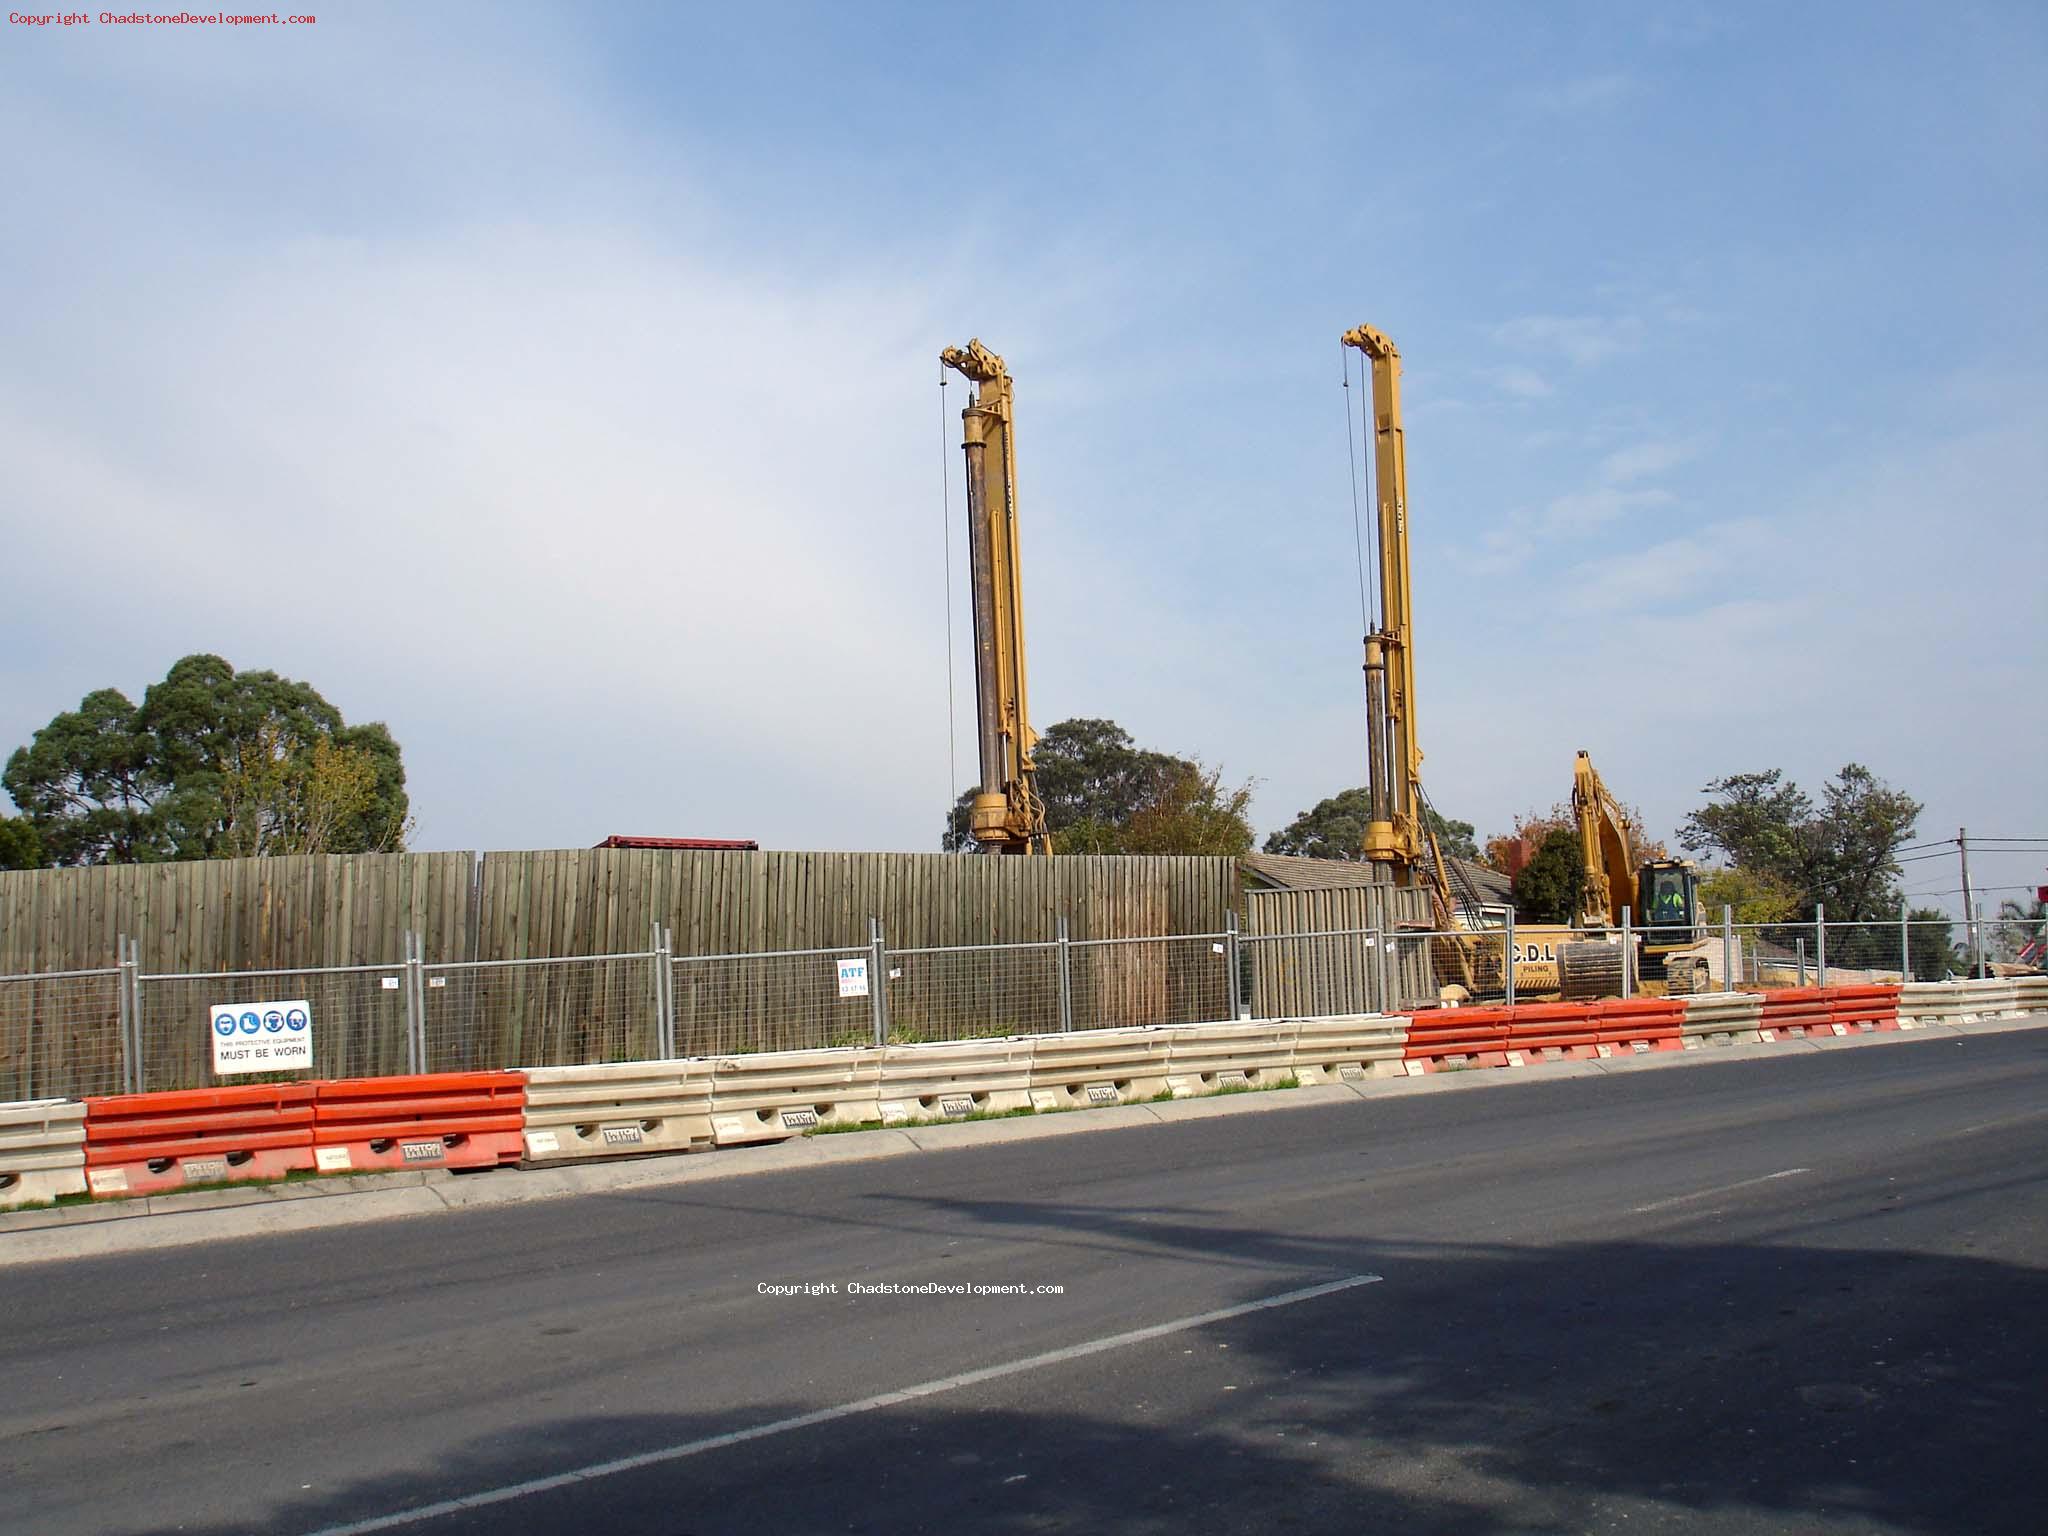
x=1519 y=383
x=1582 y=340
x=1584 y=94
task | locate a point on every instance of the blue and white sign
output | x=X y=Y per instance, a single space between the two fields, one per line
x=261 y=1037
x=853 y=977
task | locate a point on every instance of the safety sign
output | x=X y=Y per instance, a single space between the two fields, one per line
x=261 y=1037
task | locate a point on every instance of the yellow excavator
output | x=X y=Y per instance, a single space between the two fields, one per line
x=1007 y=815
x=1660 y=898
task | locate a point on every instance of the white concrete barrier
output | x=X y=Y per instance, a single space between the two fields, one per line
x=42 y=1150
x=1349 y=1047
x=1207 y=1058
x=2030 y=994
x=1957 y=1002
x=1721 y=1018
x=773 y=1095
x=617 y=1110
x=1094 y=1067
x=950 y=1080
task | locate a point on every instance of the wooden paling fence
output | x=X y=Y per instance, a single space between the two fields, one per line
x=1309 y=955
x=303 y=921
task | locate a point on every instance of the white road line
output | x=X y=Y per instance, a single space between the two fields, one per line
x=1707 y=1194
x=827 y=1415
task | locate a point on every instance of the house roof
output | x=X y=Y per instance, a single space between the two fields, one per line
x=1292 y=872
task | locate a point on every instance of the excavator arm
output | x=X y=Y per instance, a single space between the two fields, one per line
x=1604 y=847
x=1007 y=814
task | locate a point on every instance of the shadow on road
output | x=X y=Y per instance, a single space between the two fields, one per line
x=1681 y=1386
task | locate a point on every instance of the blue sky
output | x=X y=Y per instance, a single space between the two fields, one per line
x=559 y=386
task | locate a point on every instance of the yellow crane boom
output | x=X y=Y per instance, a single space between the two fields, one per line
x=1007 y=814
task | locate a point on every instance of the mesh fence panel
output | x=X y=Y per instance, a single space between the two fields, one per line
x=1421 y=965
x=60 y=1035
x=969 y=994
x=484 y=1015
x=1864 y=953
x=358 y=1022
x=2011 y=941
x=1774 y=955
x=726 y=1004
x=1134 y=983
x=1311 y=975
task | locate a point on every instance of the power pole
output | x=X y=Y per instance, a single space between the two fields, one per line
x=1969 y=906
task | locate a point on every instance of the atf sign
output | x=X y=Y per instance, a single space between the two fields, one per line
x=853 y=978
x=261 y=1037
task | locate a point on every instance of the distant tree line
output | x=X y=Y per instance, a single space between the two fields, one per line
x=212 y=764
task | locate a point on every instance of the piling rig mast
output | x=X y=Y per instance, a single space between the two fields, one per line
x=1397 y=832
x=1007 y=815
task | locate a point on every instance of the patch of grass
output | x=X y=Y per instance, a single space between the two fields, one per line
x=915 y=1121
x=294 y=1176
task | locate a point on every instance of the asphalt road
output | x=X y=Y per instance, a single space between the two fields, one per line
x=1807 y=1294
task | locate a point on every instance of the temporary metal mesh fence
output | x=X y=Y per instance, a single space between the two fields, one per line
x=104 y=1031
x=1422 y=965
x=1310 y=975
x=788 y=1000
x=1135 y=983
x=969 y=994
x=60 y=1035
x=482 y=1015
x=358 y=1013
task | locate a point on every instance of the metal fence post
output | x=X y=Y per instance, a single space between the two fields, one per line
x=415 y=1004
x=1066 y=954
x=1799 y=945
x=121 y=999
x=134 y=979
x=1820 y=943
x=1628 y=949
x=1905 y=944
x=1728 y=958
x=1508 y=955
x=1977 y=943
x=664 y=997
x=1230 y=960
x=878 y=982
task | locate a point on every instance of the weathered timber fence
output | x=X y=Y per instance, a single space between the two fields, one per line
x=1314 y=952
x=237 y=914
x=354 y=909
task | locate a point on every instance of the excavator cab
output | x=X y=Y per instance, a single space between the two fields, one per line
x=1670 y=894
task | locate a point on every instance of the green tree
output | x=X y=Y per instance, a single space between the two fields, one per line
x=1931 y=943
x=1102 y=790
x=20 y=848
x=1092 y=777
x=1191 y=811
x=1843 y=852
x=1335 y=829
x=1753 y=897
x=1552 y=887
x=214 y=763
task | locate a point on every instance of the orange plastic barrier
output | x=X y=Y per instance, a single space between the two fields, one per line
x=1640 y=1024
x=140 y=1143
x=1456 y=1037
x=1793 y=1013
x=437 y=1120
x=1863 y=1009
x=1536 y=1032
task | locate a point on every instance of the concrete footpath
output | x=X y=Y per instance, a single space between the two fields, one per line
x=175 y=1220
